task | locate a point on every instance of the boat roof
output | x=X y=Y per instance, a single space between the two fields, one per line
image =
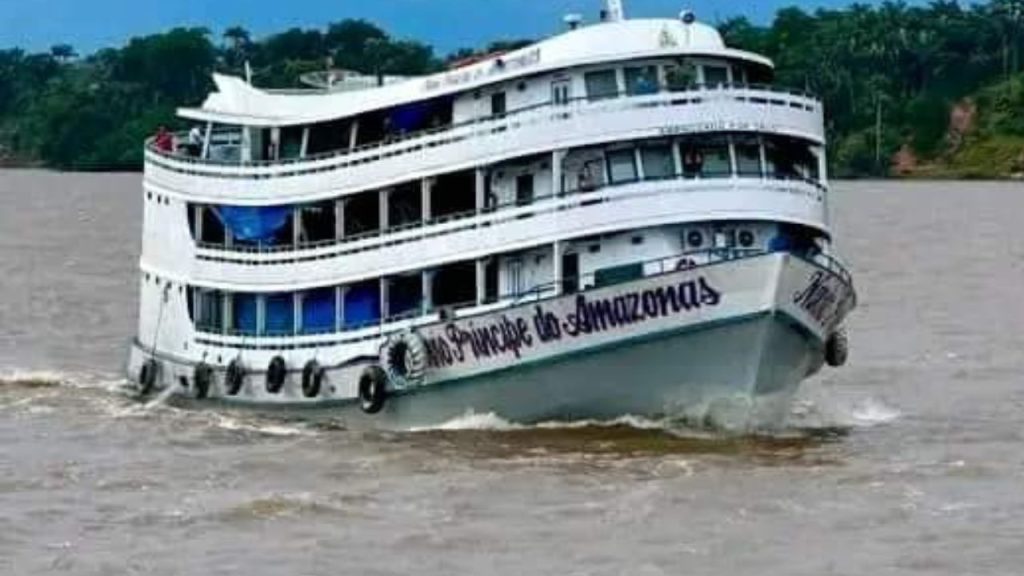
x=237 y=102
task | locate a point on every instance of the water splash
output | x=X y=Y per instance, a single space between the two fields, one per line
x=32 y=378
x=831 y=412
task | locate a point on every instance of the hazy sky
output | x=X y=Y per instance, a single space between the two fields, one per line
x=447 y=24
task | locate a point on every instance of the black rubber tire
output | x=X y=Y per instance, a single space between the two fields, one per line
x=147 y=376
x=234 y=379
x=312 y=379
x=277 y=371
x=837 y=349
x=202 y=378
x=373 y=393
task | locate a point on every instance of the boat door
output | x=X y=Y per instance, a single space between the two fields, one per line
x=561 y=92
x=570 y=273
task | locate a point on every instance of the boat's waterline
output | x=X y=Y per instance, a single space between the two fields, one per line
x=728 y=344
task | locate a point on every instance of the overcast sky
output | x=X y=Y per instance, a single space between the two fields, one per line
x=446 y=24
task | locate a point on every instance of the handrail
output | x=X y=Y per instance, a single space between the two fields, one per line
x=402 y=138
x=305 y=247
x=666 y=265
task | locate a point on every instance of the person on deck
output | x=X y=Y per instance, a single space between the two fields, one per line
x=164 y=140
x=195 y=142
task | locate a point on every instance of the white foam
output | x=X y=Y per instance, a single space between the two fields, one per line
x=872 y=412
x=472 y=421
x=15 y=376
x=831 y=412
x=490 y=421
x=236 y=425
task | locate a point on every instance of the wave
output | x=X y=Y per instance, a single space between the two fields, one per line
x=32 y=378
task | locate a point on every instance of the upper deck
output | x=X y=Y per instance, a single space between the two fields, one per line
x=658 y=78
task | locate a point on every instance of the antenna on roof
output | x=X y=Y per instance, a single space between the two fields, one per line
x=615 y=11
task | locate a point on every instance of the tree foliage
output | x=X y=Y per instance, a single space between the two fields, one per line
x=906 y=65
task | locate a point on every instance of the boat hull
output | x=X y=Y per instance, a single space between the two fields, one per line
x=726 y=344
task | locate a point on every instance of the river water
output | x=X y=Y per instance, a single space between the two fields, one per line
x=908 y=461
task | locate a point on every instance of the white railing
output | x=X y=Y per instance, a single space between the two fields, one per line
x=264 y=255
x=349 y=334
x=765 y=97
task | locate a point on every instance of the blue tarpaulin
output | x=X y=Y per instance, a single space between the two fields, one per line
x=362 y=305
x=318 y=311
x=254 y=224
x=243 y=311
x=280 y=311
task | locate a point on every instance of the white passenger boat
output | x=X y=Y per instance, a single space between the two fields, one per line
x=626 y=218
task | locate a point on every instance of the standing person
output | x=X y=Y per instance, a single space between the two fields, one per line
x=164 y=140
x=195 y=142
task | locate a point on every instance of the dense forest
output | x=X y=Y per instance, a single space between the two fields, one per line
x=934 y=90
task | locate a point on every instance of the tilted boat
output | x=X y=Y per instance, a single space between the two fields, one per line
x=626 y=218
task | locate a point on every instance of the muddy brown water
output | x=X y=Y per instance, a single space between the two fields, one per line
x=908 y=461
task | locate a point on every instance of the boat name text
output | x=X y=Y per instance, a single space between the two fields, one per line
x=825 y=299
x=459 y=343
x=471 y=74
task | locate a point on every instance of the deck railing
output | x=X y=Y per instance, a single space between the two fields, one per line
x=690 y=260
x=392 y=145
x=496 y=214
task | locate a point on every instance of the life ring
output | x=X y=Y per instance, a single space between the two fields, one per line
x=277 y=371
x=147 y=376
x=312 y=379
x=234 y=379
x=404 y=358
x=373 y=391
x=837 y=349
x=202 y=376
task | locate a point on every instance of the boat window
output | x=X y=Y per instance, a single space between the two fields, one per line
x=279 y=317
x=244 y=314
x=618 y=275
x=329 y=137
x=209 y=308
x=515 y=277
x=212 y=227
x=499 y=104
x=641 y=80
x=715 y=75
x=681 y=76
x=658 y=162
x=706 y=158
x=560 y=92
x=789 y=158
x=319 y=311
x=291 y=142
x=455 y=285
x=454 y=193
x=405 y=295
x=362 y=214
x=748 y=155
x=362 y=305
x=317 y=222
x=524 y=189
x=405 y=205
x=601 y=85
x=622 y=166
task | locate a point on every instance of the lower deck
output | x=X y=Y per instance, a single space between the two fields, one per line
x=313 y=317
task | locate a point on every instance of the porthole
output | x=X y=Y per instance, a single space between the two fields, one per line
x=637 y=240
x=695 y=239
x=594 y=249
x=522 y=86
x=746 y=238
